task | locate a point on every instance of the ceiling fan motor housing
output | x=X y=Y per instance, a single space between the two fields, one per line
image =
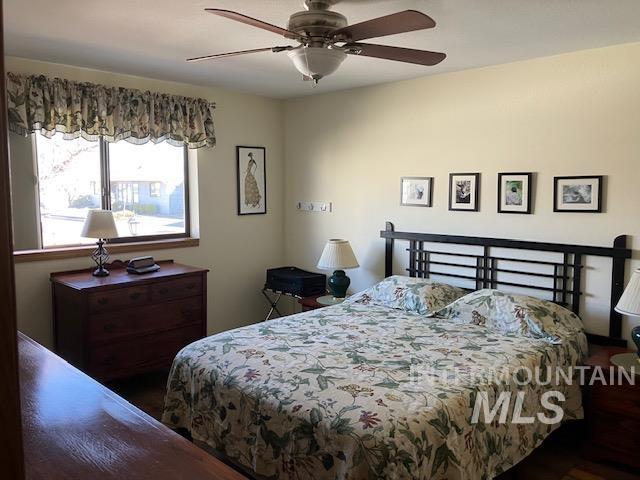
x=316 y=25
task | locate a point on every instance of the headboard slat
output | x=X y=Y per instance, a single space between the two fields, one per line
x=412 y=259
x=479 y=281
x=565 y=276
x=577 y=282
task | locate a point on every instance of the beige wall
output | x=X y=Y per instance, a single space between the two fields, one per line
x=571 y=114
x=236 y=249
x=574 y=114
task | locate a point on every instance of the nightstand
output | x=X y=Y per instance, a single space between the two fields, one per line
x=310 y=303
x=319 y=301
x=612 y=413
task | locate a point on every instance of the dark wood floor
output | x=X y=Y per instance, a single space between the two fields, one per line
x=559 y=458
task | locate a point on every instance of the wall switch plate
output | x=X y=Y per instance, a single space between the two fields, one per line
x=321 y=207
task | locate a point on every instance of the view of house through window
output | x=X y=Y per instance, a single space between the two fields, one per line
x=145 y=189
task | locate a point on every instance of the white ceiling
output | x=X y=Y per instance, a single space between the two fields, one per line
x=152 y=38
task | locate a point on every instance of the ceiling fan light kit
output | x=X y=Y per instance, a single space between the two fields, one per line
x=326 y=38
x=316 y=62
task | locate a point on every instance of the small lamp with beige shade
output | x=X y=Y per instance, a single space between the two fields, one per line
x=100 y=225
x=629 y=304
x=338 y=256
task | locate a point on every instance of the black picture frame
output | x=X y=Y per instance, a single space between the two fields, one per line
x=476 y=195
x=587 y=208
x=429 y=199
x=529 y=197
x=260 y=180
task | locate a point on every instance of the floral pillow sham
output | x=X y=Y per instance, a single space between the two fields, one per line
x=513 y=315
x=417 y=295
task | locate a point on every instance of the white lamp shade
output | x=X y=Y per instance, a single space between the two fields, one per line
x=99 y=224
x=629 y=303
x=338 y=255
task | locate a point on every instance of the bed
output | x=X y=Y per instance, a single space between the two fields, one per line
x=364 y=390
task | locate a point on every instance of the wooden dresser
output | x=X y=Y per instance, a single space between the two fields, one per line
x=126 y=324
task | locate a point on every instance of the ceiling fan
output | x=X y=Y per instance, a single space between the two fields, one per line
x=326 y=38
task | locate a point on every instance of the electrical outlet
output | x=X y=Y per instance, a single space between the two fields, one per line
x=320 y=207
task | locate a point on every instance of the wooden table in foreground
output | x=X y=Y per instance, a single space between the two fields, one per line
x=75 y=428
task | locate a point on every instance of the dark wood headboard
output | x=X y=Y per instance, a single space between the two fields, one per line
x=563 y=281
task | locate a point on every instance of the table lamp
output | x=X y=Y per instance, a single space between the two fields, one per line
x=101 y=225
x=338 y=256
x=629 y=304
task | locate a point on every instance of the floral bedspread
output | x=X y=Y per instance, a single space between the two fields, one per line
x=352 y=392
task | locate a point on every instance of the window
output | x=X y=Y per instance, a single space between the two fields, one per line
x=144 y=185
x=67 y=170
x=154 y=189
x=136 y=173
x=124 y=193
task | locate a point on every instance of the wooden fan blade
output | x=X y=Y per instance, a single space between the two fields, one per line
x=407 y=55
x=401 y=22
x=241 y=52
x=254 y=22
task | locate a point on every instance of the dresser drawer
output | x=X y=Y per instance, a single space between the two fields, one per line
x=104 y=327
x=118 y=298
x=178 y=288
x=128 y=357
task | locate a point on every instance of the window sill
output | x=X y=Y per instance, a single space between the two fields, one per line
x=76 y=252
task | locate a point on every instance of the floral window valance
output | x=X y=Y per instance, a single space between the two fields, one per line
x=37 y=103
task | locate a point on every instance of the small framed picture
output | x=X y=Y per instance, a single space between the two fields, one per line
x=464 y=192
x=416 y=191
x=515 y=192
x=252 y=180
x=577 y=194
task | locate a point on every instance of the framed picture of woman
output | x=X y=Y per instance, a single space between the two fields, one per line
x=252 y=180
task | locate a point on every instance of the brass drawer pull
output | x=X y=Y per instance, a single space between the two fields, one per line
x=103 y=300
x=134 y=296
x=191 y=286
